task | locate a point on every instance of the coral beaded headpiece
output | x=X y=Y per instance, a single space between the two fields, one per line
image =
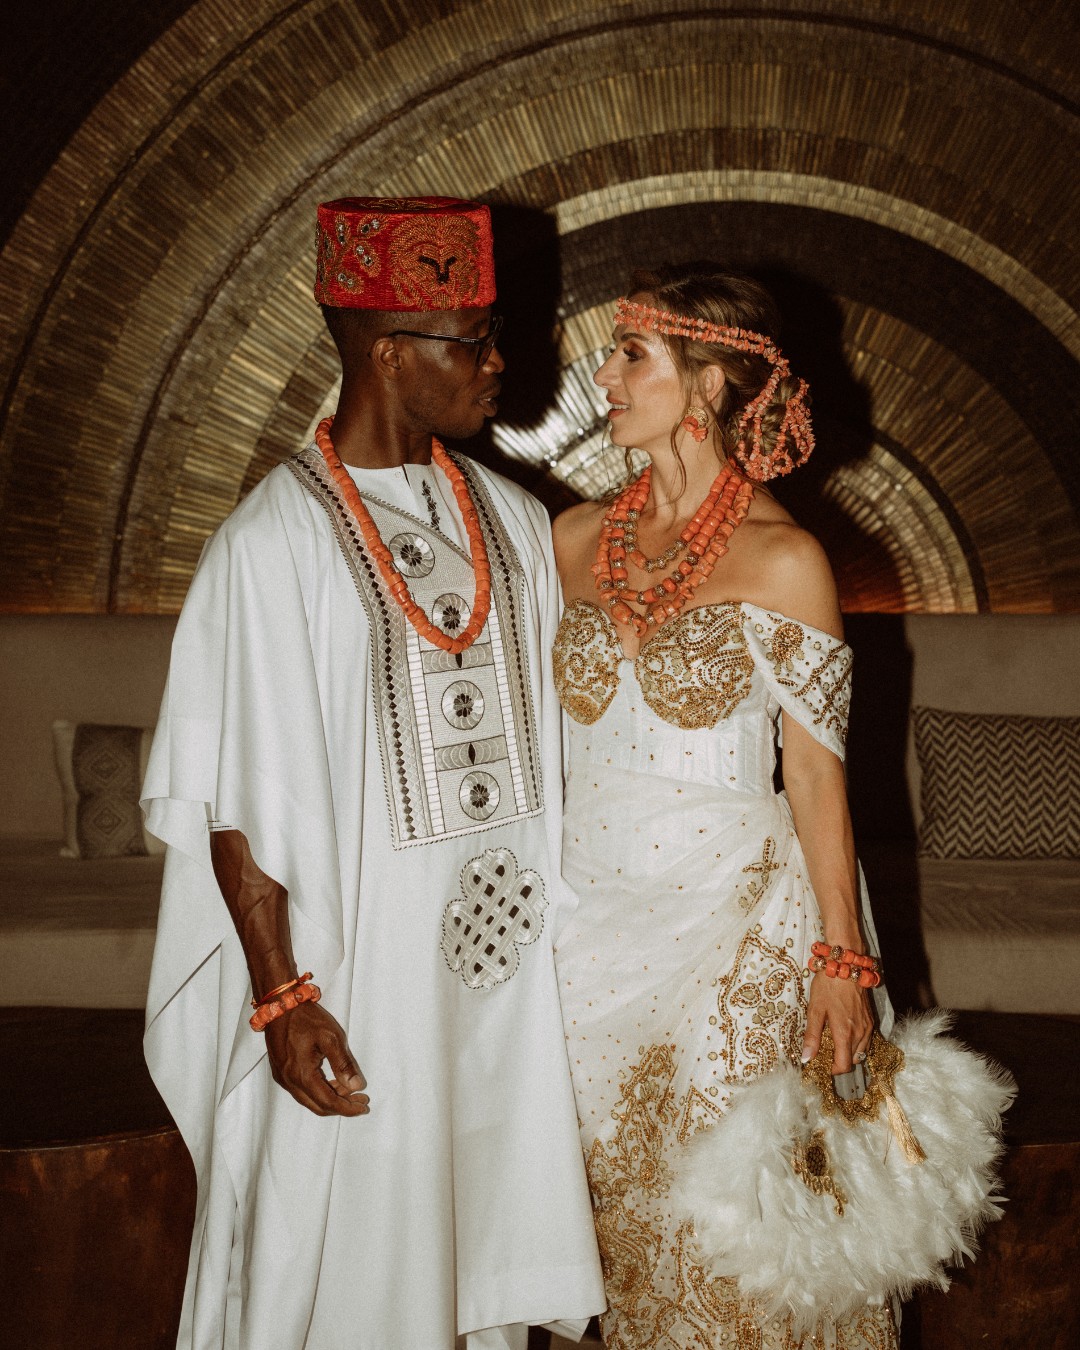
x=404 y=253
x=794 y=440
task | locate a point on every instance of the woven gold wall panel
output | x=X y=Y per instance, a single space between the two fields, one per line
x=916 y=162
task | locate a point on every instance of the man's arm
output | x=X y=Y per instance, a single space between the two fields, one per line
x=299 y=1040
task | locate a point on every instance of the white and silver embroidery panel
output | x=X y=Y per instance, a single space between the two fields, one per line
x=456 y=733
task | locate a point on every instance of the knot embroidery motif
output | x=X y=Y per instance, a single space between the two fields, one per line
x=502 y=910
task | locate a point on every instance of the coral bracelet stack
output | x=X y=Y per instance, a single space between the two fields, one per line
x=282 y=1000
x=841 y=963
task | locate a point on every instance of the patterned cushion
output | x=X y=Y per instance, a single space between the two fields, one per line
x=101 y=770
x=998 y=786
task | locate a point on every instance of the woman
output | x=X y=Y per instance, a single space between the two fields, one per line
x=699 y=621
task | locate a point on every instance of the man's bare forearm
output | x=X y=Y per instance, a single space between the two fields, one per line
x=259 y=907
x=297 y=1044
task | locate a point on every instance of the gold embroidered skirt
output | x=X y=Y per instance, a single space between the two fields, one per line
x=680 y=974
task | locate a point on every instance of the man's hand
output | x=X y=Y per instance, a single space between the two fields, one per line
x=299 y=1040
x=297 y=1043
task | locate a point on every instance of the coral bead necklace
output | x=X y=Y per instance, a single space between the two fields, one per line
x=395 y=582
x=705 y=539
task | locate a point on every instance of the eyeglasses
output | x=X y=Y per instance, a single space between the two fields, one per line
x=484 y=345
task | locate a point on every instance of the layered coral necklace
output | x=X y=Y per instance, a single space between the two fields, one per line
x=705 y=540
x=395 y=582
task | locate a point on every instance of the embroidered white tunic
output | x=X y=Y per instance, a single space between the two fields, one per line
x=409 y=802
x=682 y=971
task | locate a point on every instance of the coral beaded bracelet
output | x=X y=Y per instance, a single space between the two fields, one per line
x=844 y=964
x=283 y=1000
x=281 y=989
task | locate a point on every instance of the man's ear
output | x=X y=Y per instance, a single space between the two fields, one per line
x=387 y=356
x=713 y=381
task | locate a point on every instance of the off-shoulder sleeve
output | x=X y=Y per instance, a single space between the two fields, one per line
x=807 y=671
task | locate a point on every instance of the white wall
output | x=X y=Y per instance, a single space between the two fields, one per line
x=86 y=668
x=97 y=668
x=1009 y=663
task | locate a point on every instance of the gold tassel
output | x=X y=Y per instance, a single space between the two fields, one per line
x=898 y=1123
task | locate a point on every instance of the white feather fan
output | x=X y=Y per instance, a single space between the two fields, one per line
x=765 y=1185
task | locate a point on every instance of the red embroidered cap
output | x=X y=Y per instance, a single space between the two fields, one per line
x=404 y=253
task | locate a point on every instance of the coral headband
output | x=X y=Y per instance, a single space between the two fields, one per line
x=794 y=439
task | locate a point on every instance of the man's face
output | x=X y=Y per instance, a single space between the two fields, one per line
x=444 y=390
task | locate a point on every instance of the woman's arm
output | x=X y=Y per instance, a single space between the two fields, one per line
x=802 y=582
x=814 y=781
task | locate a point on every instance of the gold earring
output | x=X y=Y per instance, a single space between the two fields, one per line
x=696 y=422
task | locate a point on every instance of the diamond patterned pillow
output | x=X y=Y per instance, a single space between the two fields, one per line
x=998 y=786
x=101 y=770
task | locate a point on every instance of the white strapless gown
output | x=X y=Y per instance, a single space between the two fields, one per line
x=683 y=970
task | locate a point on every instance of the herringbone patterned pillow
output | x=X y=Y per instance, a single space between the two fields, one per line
x=998 y=786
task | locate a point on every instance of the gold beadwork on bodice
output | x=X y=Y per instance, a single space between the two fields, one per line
x=693 y=672
x=585 y=659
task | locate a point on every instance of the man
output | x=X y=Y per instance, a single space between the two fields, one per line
x=359 y=740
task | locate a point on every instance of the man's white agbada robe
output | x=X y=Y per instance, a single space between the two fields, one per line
x=410 y=803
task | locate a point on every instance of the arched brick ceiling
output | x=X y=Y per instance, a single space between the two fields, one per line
x=906 y=178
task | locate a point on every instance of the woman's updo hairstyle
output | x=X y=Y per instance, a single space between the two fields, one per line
x=762 y=416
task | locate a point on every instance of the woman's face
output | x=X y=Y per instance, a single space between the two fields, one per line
x=644 y=391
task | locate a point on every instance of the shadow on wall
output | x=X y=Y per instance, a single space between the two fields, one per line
x=528 y=276
x=881 y=808
x=530 y=281
x=812 y=339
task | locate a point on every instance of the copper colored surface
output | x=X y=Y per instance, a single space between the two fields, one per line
x=1023 y=1290
x=94 y=1229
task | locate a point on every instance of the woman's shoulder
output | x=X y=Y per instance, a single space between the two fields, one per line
x=792 y=568
x=574 y=533
x=578 y=524
x=580 y=516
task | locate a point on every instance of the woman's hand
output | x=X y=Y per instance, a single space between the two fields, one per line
x=846 y=1009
